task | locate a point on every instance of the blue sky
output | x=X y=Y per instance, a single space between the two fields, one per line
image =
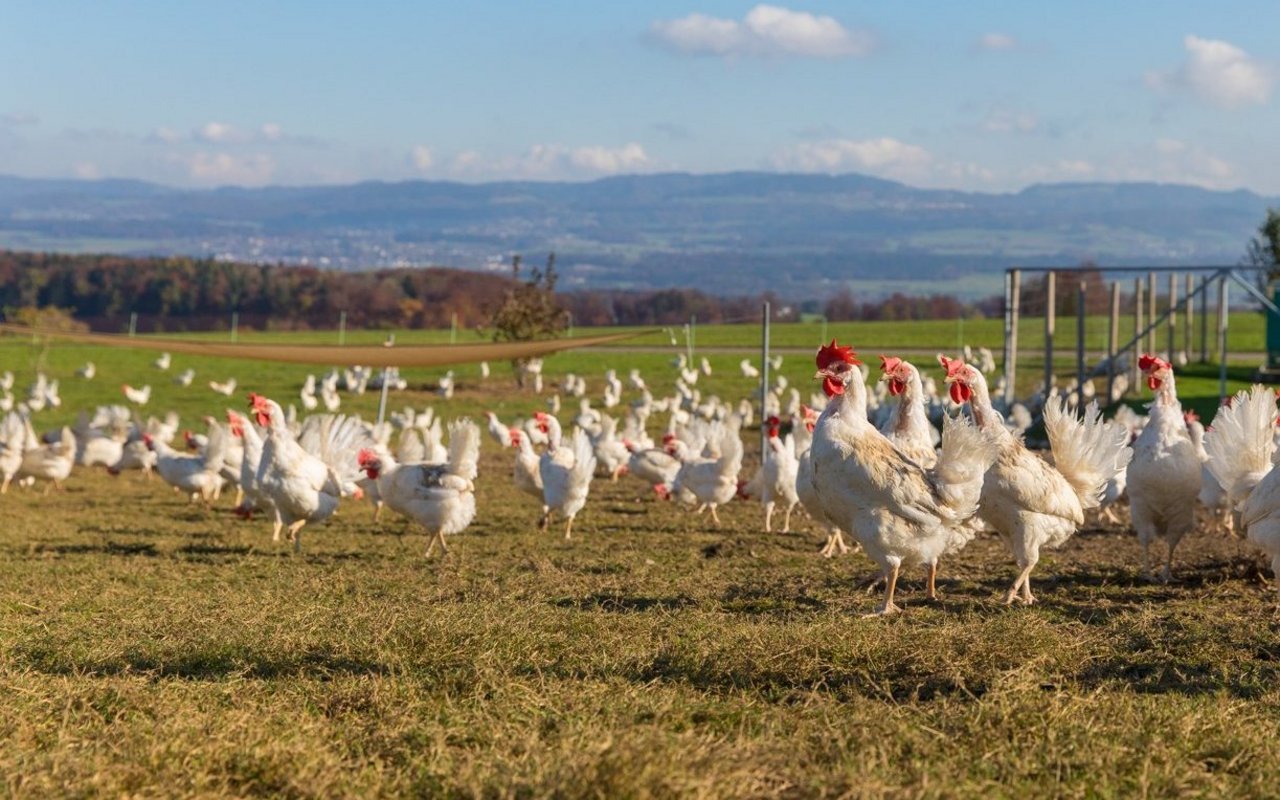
x=987 y=96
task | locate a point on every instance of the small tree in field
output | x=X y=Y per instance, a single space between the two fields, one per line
x=1264 y=251
x=529 y=310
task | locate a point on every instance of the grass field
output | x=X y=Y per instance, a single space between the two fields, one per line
x=148 y=648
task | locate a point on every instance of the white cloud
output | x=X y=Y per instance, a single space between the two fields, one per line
x=628 y=158
x=1006 y=121
x=1218 y=73
x=217 y=132
x=86 y=170
x=996 y=42
x=554 y=161
x=422 y=158
x=166 y=135
x=765 y=31
x=271 y=131
x=253 y=169
x=883 y=155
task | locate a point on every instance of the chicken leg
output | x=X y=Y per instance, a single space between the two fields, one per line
x=932 y=591
x=444 y=548
x=295 y=535
x=891 y=583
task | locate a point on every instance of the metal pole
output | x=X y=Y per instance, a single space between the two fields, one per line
x=1173 y=316
x=1080 y=309
x=1113 y=340
x=1204 y=322
x=1011 y=336
x=693 y=335
x=342 y=329
x=1222 y=337
x=235 y=326
x=1137 y=330
x=133 y=323
x=453 y=327
x=1050 y=322
x=764 y=378
x=386 y=379
x=1151 y=310
x=1190 y=322
x=823 y=338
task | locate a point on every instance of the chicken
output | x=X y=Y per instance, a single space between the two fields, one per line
x=163 y=361
x=778 y=478
x=899 y=512
x=566 y=473
x=135 y=455
x=306 y=487
x=611 y=453
x=87 y=371
x=497 y=431
x=13 y=435
x=1028 y=501
x=655 y=467
x=185 y=377
x=1241 y=445
x=907 y=425
x=252 y=497
x=225 y=389
x=137 y=396
x=807 y=492
x=711 y=481
x=527 y=474
x=1212 y=496
x=748 y=371
x=50 y=462
x=196 y=475
x=440 y=497
x=1164 y=476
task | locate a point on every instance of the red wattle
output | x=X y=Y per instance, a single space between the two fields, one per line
x=957 y=393
x=1153 y=382
x=263 y=419
x=832 y=387
x=896 y=387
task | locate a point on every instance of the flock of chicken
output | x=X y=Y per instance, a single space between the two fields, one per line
x=871 y=464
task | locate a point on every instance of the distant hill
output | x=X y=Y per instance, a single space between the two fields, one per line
x=731 y=233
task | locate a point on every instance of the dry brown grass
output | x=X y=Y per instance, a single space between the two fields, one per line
x=149 y=648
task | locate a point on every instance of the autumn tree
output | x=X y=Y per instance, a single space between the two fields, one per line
x=529 y=310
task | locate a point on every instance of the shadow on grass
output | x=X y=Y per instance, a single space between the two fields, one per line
x=110 y=549
x=623 y=604
x=201 y=665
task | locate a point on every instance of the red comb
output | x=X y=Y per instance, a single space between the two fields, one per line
x=1191 y=416
x=829 y=354
x=1149 y=362
x=951 y=365
x=889 y=363
x=365 y=456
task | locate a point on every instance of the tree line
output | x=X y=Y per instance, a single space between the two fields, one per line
x=181 y=293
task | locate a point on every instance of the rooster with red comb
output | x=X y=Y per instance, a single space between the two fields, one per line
x=901 y=513
x=1030 y=502
x=1164 y=477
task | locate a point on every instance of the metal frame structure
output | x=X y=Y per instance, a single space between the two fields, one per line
x=1222 y=276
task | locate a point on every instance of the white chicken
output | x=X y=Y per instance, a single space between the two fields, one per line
x=711 y=481
x=252 y=497
x=1212 y=496
x=656 y=467
x=1028 y=501
x=1164 y=476
x=440 y=497
x=1242 y=435
x=566 y=473
x=306 y=487
x=907 y=425
x=196 y=475
x=185 y=377
x=1241 y=444
x=139 y=397
x=899 y=512
x=87 y=371
x=163 y=361
x=13 y=436
x=748 y=371
x=225 y=389
x=49 y=462
x=778 y=478
x=527 y=473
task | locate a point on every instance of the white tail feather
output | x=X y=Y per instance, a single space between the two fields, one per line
x=1087 y=452
x=584 y=464
x=966 y=456
x=1240 y=442
x=464 y=448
